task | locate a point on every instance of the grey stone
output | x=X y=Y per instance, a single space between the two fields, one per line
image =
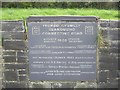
x=14 y=45
x=103 y=76
x=112 y=74
x=107 y=59
x=23 y=78
x=1 y=84
x=19 y=54
x=15 y=85
x=9 y=59
x=63 y=85
x=1 y=74
x=118 y=73
x=9 y=53
x=108 y=66
x=102 y=85
x=40 y=86
x=12 y=26
x=10 y=76
x=104 y=24
x=110 y=32
x=113 y=37
x=114 y=50
x=16 y=66
x=85 y=85
x=115 y=24
x=14 y=35
x=104 y=51
x=114 y=44
x=110 y=23
x=22 y=59
x=68 y=85
x=112 y=83
x=23 y=72
x=62 y=18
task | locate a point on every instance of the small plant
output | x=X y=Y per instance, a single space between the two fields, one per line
x=101 y=41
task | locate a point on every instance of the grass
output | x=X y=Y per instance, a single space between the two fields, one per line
x=20 y=13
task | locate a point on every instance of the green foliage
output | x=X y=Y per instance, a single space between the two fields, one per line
x=22 y=13
x=98 y=5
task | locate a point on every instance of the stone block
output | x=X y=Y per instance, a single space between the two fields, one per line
x=110 y=23
x=12 y=26
x=9 y=59
x=107 y=59
x=11 y=53
x=14 y=45
x=103 y=76
x=16 y=66
x=108 y=66
x=23 y=78
x=22 y=59
x=11 y=75
x=19 y=54
x=15 y=85
x=14 y=35
x=23 y=72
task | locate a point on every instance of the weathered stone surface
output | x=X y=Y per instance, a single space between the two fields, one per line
x=19 y=54
x=11 y=75
x=15 y=85
x=1 y=84
x=113 y=37
x=102 y=85
x=14 y=35
x=80 y=85
x=23 y=72
x=104 y=51
x=40 y=86
x=118 y=73
x=62 y=18
x=110 y=32
x=14 y=45
x=9 y=59
x=115 y=24
x=23 y=78
x=103 y=76
x=112 y=83
x=16 y=66
x=11 y=53
x=112 y=74
x=110 y=24
x=1 y=74
x=44 y=85
x=107 y=59
x=114 y=50
x=22 y=59
x=12 y=26
x=114 y=44
x=104 y=24
x=63 y=85
x=108 y=66
x=15 y=30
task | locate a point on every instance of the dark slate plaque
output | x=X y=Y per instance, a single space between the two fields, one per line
x=62 y=50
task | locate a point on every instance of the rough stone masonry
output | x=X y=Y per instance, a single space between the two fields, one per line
x=14 y=59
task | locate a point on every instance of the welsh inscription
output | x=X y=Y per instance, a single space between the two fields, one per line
x=62 y=50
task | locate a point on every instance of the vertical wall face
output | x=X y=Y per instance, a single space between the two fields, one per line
x=62 y=47
x=1 y=60
x=109 y=55
x=14 y=54
x=15 y=59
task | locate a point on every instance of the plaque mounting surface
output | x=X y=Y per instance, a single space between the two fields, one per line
x=62 y=50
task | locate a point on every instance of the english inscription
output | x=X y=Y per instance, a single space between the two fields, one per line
x=62 y=50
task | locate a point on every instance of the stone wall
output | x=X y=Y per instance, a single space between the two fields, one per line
x=14 y=70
